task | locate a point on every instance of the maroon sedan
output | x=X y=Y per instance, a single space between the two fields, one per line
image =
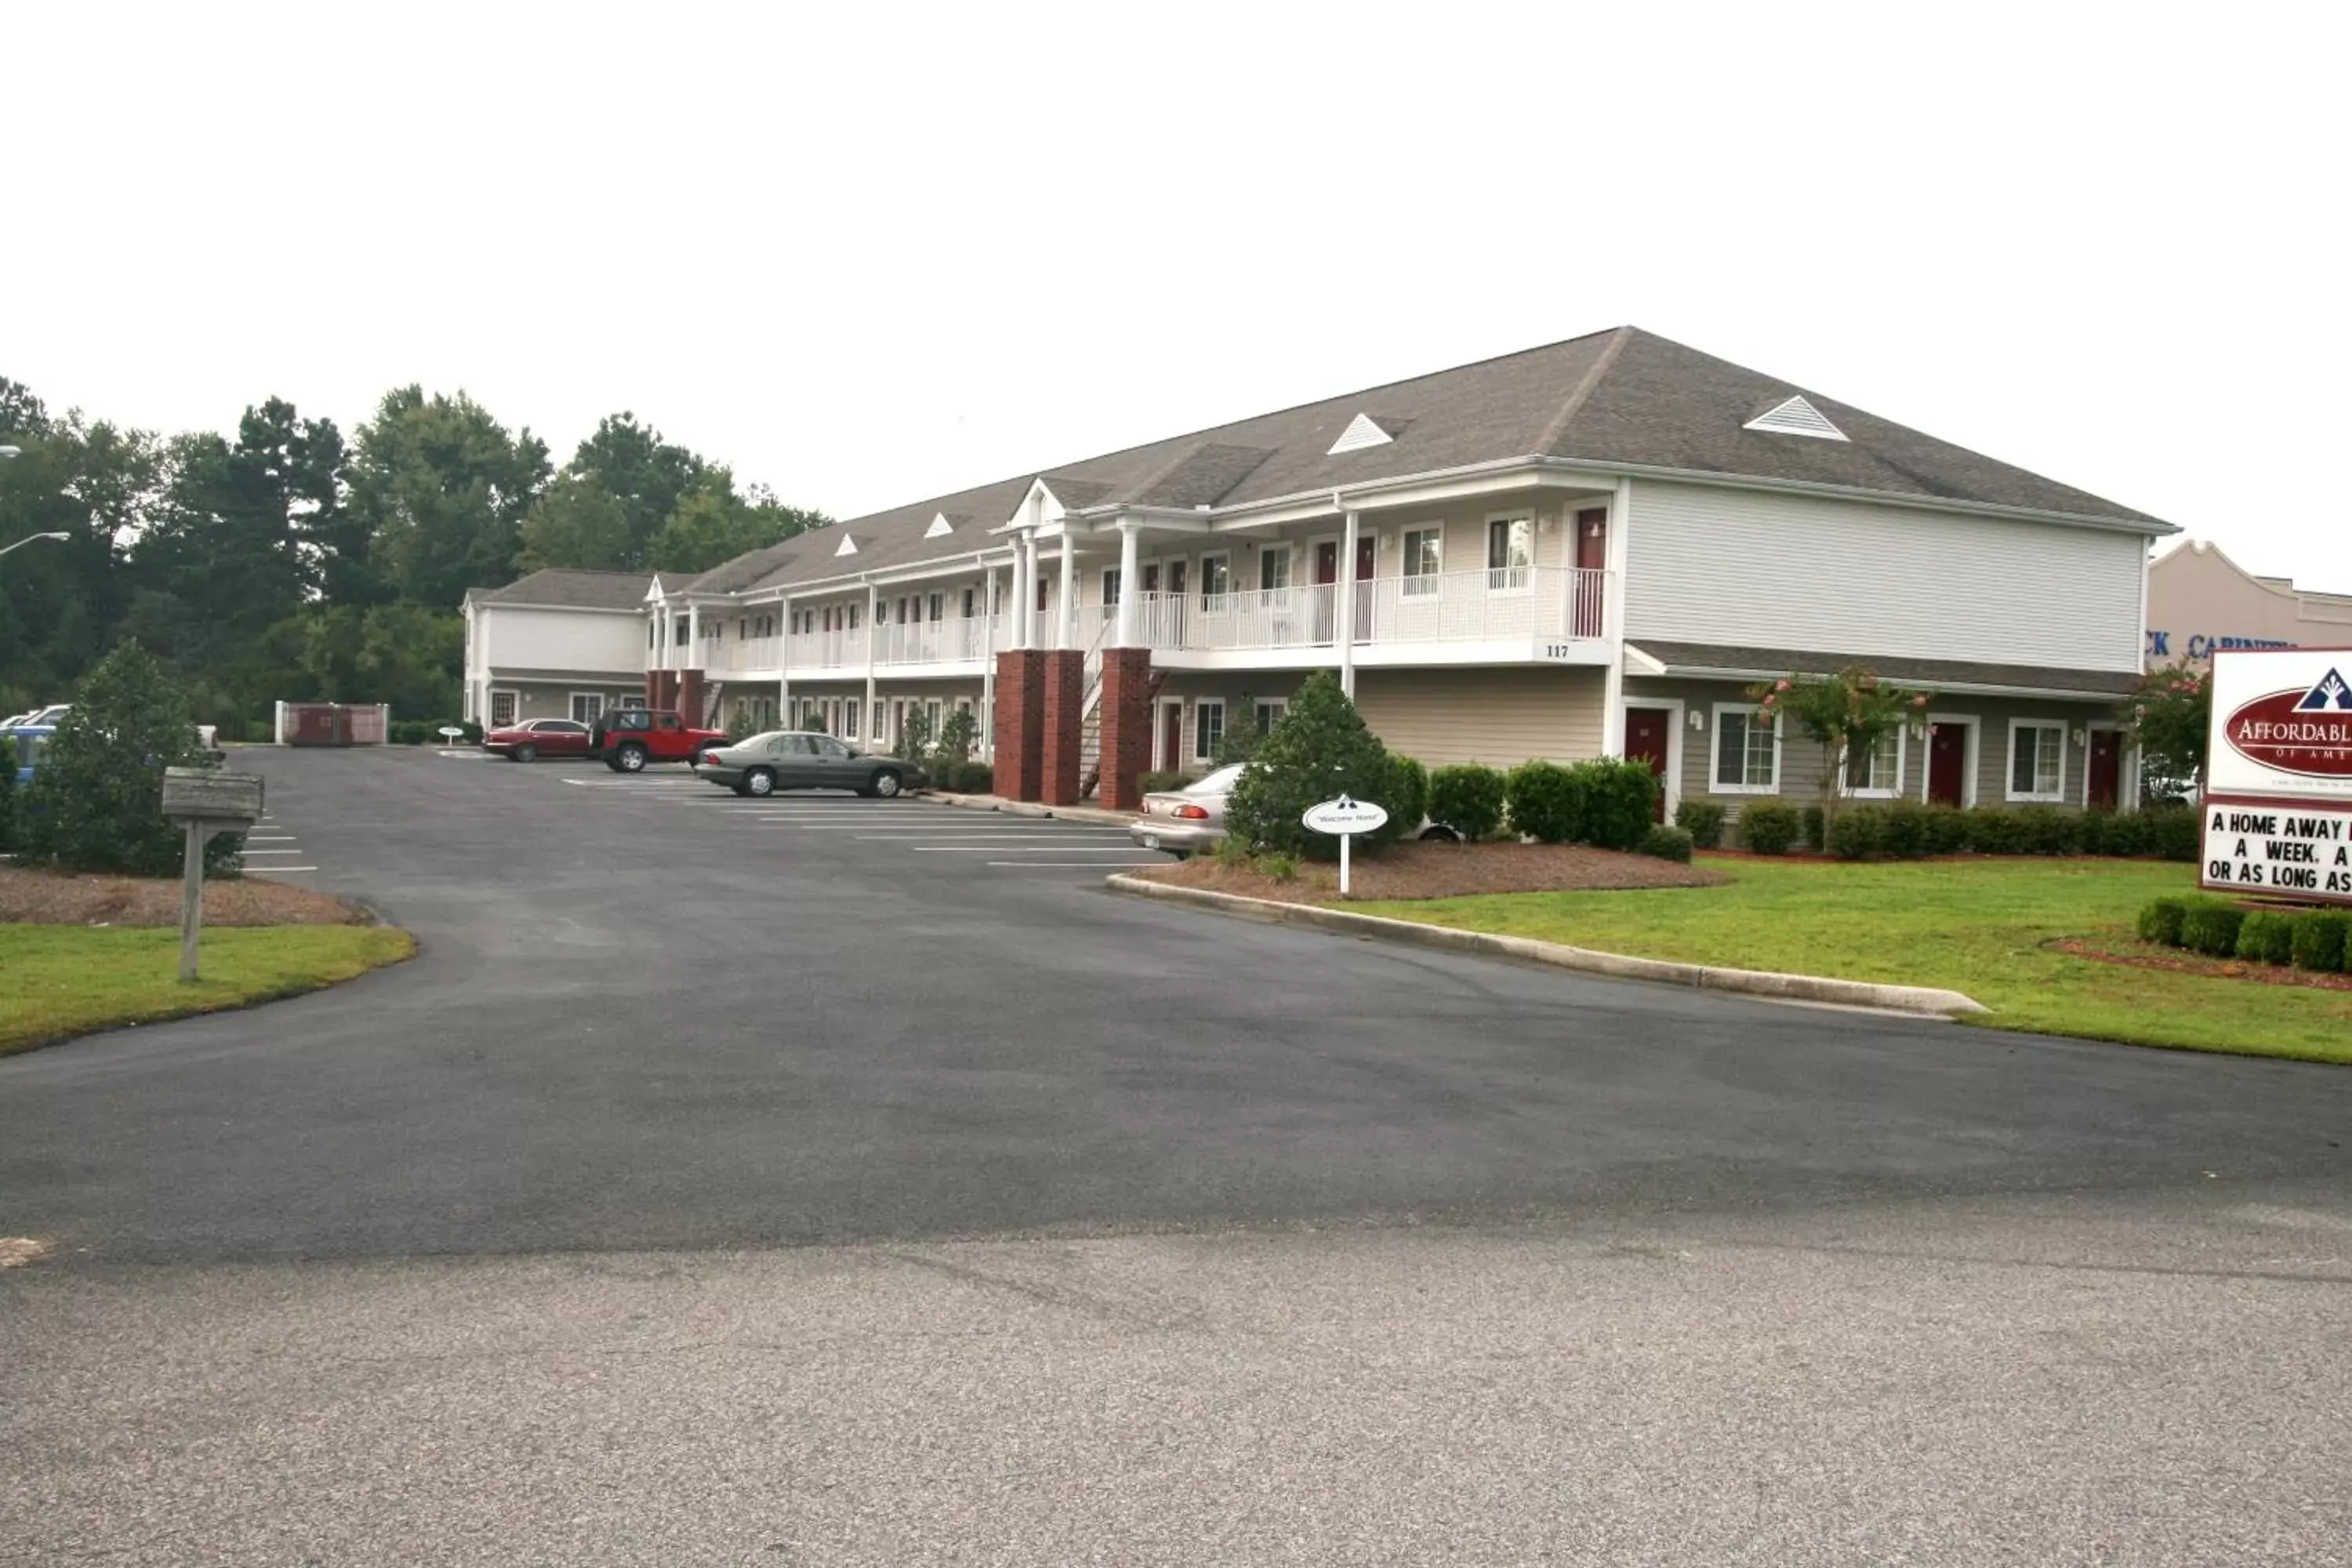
x=536 y=738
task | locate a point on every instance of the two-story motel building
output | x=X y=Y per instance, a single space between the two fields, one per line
x=1589 y=547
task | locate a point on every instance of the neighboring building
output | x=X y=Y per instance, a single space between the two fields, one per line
x=555 y=645
x=2198 y=600
x=1590 y=547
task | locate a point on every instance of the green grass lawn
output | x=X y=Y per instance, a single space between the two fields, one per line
x=1971 y=926
x=57 y=981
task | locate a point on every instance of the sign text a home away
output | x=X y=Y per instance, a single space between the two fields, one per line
x=2278 y=775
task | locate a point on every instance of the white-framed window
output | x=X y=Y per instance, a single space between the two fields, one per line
x=503 y=707
x=1208 y=729
x=1746 y=751
x=2037 y=760
x=1270 y=711
x=1424 y=558
x=1273 y=567
x=1510 y=553
x=1110 y=587
x=1877 y=774
x=931 y=708
x=587 y=707
x=938 y=607
x=970 y=602
x=1216 y=582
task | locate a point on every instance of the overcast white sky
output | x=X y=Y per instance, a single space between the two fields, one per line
x=868 y=254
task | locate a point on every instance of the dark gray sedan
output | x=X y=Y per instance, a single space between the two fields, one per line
x=799 y=759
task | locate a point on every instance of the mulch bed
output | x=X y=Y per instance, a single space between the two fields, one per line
x=1417 y=870
x=2136 y=956
x=29 y=897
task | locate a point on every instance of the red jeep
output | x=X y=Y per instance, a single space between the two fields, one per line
x=627 y=738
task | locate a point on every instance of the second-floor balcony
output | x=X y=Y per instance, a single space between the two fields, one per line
x=1494 y=611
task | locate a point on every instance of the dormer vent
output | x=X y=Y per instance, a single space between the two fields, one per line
x=1361 y=432
x=1796 y=417
x=940 y=527
x=848 y=546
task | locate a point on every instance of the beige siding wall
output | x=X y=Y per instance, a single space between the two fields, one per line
x=1706 y=564
x=1497 y=716
x=552 y=699
x=2198 y=599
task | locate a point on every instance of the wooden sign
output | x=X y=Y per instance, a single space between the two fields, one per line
x=207 y=795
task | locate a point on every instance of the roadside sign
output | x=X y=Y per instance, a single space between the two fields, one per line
x=451 y=732
x=2277 y=804
x=1344 y=818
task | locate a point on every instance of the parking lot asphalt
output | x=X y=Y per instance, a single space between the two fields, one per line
x=649 y=1014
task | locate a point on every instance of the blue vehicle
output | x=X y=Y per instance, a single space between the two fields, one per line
x=28 y=741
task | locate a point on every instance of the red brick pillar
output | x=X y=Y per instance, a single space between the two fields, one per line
x=689 y=696
x=653 y=688
x=1020 y=722
x=1125 y=727
x=1065 y=680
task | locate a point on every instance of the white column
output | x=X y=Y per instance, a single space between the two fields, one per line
x=1612 y=687
x=988 y=666
x=1348 y=606
x=1027 y=611
x=783 y=663
x=1065 y=613
x=1129 y=569
x=866 y=714
x=693 y=638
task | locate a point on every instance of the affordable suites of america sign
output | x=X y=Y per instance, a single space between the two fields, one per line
x=2278 y=775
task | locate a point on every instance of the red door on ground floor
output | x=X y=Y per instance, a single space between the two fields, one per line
x=2107 y=770
x=1948 y=763
x=1646 y=734
x=1171 y=736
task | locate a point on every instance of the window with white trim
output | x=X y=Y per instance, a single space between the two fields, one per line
x=1208 y=730
x=1270 y=711
x=1510 y=552
x=1216 y=582
x=502 y=707
x=1273 y=567
x=587 y=707
x=1110 y=588
x=1878 y=772
x=1424 y=558
x=2037 y=760
x=1747 y=751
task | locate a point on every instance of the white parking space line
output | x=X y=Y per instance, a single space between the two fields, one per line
x=1000 y=850
x=1071 y=864
x=274 y=870
x=251 y=853
x=269 y=839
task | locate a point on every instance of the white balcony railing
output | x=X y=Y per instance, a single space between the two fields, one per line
x=960 y=640
x=1447 y=606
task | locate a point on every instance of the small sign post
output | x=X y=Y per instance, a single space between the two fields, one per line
x=451 y=734
x=204 y=801
x=1344 y=818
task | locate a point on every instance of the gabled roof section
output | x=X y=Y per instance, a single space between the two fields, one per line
x=560 y=587
x=1624 y=398
x=744 y=570
x=848 y=544
x=942 y=525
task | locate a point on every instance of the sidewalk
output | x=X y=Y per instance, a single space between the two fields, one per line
x=1029 y=808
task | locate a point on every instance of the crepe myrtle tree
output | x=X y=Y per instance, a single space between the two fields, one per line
x=1845 y=714
x=2170 y=715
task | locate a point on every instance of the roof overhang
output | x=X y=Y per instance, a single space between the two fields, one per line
x=1639 y=662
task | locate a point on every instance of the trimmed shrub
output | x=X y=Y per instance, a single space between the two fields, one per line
x=2159 y=922
x=2210 y=926
x=2266 y=936
x=1703 y=820
x=2320 y=941
x=1902 y=829
x=2123 y=834
x=1620 y=796
x=1407 y=801
x=1468 y=798
x=963 y=778
x=1858 y=833
x=7 y=792
x=2172 y=832
x=1947 y=830
x=1995 y=831
x=2046 y=830
x=1768 y=826
x=1665 y=842
x=1321 y=750
x=1816 y=835
x=1543 y=800
x=1161 y=781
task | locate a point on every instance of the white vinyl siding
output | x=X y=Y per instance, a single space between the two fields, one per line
x=1748 y=569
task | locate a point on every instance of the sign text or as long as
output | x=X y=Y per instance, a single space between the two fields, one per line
x=2278 y=848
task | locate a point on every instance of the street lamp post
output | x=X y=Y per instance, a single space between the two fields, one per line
x=29 y=538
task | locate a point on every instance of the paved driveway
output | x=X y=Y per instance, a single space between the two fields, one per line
x=1148 y=1236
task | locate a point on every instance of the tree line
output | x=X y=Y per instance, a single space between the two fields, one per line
x=288 y=562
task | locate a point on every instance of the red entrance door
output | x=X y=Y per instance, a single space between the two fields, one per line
x=1171 y=737
x=1585 y=590
x=1948 y=763
x=1327 y=590
x=2107 y=769
x=1645 y=740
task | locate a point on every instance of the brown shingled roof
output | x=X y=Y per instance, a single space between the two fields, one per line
x=571 y=588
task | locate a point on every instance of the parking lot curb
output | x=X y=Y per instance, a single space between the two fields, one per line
x=1088 y=813
x=1925 y=1001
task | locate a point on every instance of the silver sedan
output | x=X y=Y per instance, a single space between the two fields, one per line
x=1187 y=821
